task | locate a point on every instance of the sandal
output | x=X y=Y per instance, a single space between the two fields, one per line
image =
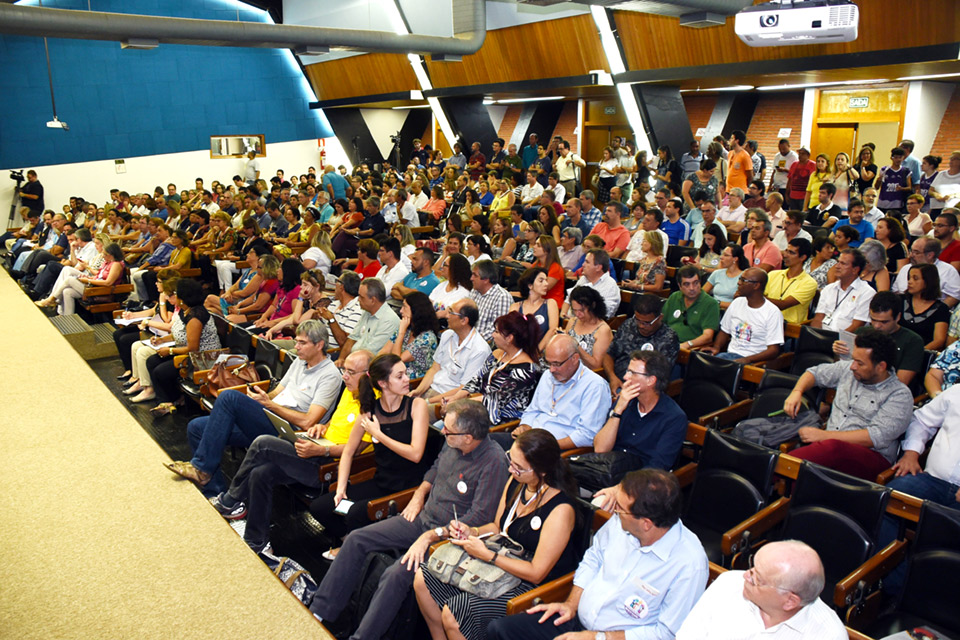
x=188 y=471
x=163 y=409
x=330 y=554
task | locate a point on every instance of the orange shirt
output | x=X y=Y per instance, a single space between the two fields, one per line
x=740 y=170
x=556 y=292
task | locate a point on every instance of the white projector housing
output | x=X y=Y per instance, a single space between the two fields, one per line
x=801 y=22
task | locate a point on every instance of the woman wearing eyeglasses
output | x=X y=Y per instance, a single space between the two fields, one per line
x=398 y=425
x=536 y=510
x=722 y=283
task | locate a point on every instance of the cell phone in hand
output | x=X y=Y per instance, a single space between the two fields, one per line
x=343 y=507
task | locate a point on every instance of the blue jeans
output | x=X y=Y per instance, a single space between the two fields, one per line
x=729 y=355
x=236 y=420
x=923 y=486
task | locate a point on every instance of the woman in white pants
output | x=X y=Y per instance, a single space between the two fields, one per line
x=81 y=269
x=71 y=289
x=248 y=239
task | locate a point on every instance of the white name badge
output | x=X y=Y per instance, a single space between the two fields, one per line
x=462 y=486
x=676 y=313
x=536 y=523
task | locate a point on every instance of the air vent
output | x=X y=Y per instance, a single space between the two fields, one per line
x=842 y=16
x=702 y=20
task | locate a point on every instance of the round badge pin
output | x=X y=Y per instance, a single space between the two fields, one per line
x=462 y=486
x=536 y=523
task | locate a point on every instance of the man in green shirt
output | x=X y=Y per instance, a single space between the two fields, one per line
x=885 y=310
x=511 y=166
x=692 y=314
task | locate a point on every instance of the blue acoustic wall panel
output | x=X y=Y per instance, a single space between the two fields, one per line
x=123 y=103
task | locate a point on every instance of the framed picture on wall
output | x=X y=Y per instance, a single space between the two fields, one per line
x=237 y=146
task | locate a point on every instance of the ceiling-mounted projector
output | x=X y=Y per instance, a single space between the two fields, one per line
x=789 y=22
x=57 y=124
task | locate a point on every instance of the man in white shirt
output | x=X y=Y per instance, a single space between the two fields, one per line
x=208 y=204
x=460 y=353
x=417 y=195
x=792 y=228
x=596 y=275
x=393 y=270
x=752 y=325
x=566 y=166
x=708 y=211
x=926 y=250
x=778 y=598
x=776 y=212
x=251 y=169
x=845 y=304
x=389 y=210
x=406 y=209
x=873 y=214
x=531 y=192
x=734 y=215
x=781 y=167
x=553 y=184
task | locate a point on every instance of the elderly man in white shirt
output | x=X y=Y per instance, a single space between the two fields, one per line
x=596 y=275
x=460 y=353
x=845 y=304
x=925 y=250
x=778 y=598
x=734 y=215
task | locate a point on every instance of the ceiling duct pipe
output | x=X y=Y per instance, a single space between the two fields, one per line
x=469 y=28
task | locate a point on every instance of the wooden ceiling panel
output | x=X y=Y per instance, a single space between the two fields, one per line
x=658 y=42
x=549 y=49
x=365 y=75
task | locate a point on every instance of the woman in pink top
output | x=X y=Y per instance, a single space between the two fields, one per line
x=287 y=297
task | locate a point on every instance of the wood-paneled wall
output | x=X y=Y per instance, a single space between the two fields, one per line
x=364 y=75
x=549 y=49
x=657 y=42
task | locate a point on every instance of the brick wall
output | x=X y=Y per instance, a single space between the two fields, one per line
x=567 y=125
x=948 y=136
x=699 y=109
x=427 y=137
x=509 y=122
x=775 y=111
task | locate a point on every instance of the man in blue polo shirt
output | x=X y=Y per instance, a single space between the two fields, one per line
x=856 y=210
x=676 y=228
x=420 y=278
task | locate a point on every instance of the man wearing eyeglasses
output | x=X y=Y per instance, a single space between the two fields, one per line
x=792 y=289
x=639 y=579
x=647 y=332
x=460 y=354
x=463 y=486
x=752 y=327
x=779 y=597
x=273 y=461
x=926 y=250
x=571 y=401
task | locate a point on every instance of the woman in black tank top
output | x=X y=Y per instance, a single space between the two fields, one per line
x=398 y=426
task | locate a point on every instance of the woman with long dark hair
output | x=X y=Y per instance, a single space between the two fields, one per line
x=457 y=286
x=714 y=242
x=416 y=339
x=537 y=511
x=588 y=326
x=287 y=297
x=533 y=286
x=397 y=425
x=509 y=377
x=923 y=312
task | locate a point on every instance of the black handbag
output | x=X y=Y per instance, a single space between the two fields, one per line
x=595 y=471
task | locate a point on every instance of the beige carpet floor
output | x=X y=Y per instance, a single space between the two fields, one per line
x=97 y=539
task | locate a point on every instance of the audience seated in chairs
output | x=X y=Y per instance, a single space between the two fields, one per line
x=645 y=331
x=869 y=413
x=596 y=275
x=752 y=326
x=537 y=511
x=459 y=355
x=71 y=289
x=302 y=398
x=398 y=424
x=285 y=300
x=508 y=379
x=268 y=268
x=565 y=389
x=272 y=461
x=160 y=316
x=86 y=256
x=671 y=564
x=463 y=486
x=378 y=323
x=692 y=314
x=781 y=590
x=245 y=286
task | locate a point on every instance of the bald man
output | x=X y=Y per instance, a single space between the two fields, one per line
x=571 y=401
x=752 y=327
x=779 y=597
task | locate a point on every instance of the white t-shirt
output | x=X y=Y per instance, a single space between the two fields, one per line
x=781 y=238
x=752 y=330
x=392 y=276
x=841 y=308
x=945 y=184
x=483 y=256
x=251 y=170
x=635 y=253
x=409 y=213
x=323 y=260
x=949 y=280
x=737 y=215
x=781 y=161
x=531 y=192
x=419 y=201
x=441 y=298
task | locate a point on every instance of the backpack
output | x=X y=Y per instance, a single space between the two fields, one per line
x=404 y=626
x=773 y=431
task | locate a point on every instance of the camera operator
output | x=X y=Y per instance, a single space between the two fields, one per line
x=31 y=194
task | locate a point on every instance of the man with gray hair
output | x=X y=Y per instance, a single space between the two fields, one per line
x=565 y=389
x=343 y=314
x=761 y=252
x=570 y=250
x=377 y=324
x=302 y=398
x=778 y=597
x=461 y=490
x=733 y=216
x=596 y=275
x=590 y=213
x=492 y=300
x=926 y=250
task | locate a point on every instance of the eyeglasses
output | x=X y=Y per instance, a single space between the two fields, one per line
x=351 y=372
x=557 y=365
x=449 y=434
x=647 y=323
x=514 y=469
x=742 y=279
x=640 y=373
x=757 y=582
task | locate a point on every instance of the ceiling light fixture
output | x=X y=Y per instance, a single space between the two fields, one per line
x=930 y=77
x=736 y=87
x=516 y=100
x=812 y=85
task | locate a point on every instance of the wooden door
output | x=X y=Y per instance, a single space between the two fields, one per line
x=833 y=138
x=595 y=138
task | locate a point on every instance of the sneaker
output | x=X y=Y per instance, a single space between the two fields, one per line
x=239 y=510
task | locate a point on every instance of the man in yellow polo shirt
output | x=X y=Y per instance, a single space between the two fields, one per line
x=792 y=289
x=272 y=461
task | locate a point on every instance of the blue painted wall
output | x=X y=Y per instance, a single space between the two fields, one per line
x=126 y=103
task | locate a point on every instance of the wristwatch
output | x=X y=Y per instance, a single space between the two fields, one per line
x=613 y=414
x=439 y=532
x=600 y=635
